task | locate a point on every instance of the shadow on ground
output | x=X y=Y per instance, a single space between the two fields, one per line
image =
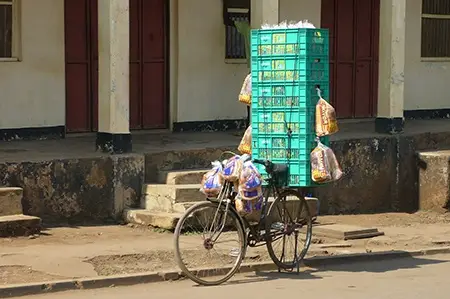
x=321 y=272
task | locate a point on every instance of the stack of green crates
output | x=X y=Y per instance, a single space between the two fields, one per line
x=288 y=65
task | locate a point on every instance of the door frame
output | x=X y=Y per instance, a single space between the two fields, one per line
x=167 y=65
x=375 y=32
x=92 y=109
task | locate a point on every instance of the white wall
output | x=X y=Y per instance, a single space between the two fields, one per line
x=208 y=88
x=297 y=10
x=32 y=91
x=203 y=75
x=426 y=83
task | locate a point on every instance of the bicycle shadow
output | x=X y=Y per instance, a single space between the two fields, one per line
x=329 y=269
x=381 y=265
x=264 y=276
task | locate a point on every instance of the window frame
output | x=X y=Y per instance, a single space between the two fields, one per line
x=432 y=16
x=15 y=34
x=235 y=60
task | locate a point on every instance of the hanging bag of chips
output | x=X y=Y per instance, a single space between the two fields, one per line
x=245 y=96
x=326 y=122
x=245 y=147
x=324 y=165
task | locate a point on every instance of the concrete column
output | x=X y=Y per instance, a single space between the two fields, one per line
x=392 y=67
x=264 y=11
x=113 y=82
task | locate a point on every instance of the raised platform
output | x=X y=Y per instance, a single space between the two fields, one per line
x=68 y=181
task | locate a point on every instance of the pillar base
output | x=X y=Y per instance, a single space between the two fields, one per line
x=113 y=143
x=386 y=125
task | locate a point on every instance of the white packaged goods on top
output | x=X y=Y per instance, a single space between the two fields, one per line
x=290 y=25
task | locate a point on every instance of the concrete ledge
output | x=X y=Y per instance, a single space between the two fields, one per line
x=19 y=225
x=140 y=278
x=434 y=181
x=10 y=201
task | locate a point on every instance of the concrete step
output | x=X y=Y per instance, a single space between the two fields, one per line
x=162 y=220
x=181 y=177
x=19 y=225
x=10 y=201
x=161 y=197
x=168 y=220
x=434 y=180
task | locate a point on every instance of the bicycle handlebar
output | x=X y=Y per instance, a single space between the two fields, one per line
x=265 y=163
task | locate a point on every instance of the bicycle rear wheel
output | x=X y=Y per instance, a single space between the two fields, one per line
x=288 y=229
x=217 y=250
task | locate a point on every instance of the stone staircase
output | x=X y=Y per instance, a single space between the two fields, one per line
x=12 y=220
x=163 y=203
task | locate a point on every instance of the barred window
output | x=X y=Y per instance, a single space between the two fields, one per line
x=235 y=11
x=435 y=29
x=6 y=25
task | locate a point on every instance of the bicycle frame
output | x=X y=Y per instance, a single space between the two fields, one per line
x=226 y=197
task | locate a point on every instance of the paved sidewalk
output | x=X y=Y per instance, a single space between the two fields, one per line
x=406 y=278
x=76 y=252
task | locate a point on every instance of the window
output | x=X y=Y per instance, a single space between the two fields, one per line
x=235 y=11
x=435 y=29
x=8 y=29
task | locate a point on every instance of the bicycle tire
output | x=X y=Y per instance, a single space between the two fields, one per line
x=268 y=227
x=191 y=274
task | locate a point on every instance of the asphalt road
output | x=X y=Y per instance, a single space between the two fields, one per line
x=409 y=278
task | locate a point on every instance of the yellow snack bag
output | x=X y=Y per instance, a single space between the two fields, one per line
x=245 y=147
x=245 y=96
x=324 y=165
x=326 y=122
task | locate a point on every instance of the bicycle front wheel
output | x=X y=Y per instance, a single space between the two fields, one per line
x=288 y=229
x=209 y=243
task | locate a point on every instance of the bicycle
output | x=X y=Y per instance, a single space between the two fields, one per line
x=266 y=231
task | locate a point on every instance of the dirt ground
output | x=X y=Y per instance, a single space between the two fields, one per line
x=71 y=252
x=390 y=219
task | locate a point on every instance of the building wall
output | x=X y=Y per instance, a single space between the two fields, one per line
x=203 y=85
x=297 y=10
x=33 y=89
x=208 y=87
x=201 y=44
x=426 y=83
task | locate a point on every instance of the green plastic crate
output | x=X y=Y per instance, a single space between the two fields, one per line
x=289 y=42
x=274 y=148
x=288 y=65
x=290 y=69
x=290 y=96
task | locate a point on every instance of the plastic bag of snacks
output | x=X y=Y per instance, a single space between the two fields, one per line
x=250 y=192
x=250 y=182
x=326 y=122
x=245 y=96
x=212 y=181
x=232 y=169
x=324 y=165
x=248 y=207
x=245 y=147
